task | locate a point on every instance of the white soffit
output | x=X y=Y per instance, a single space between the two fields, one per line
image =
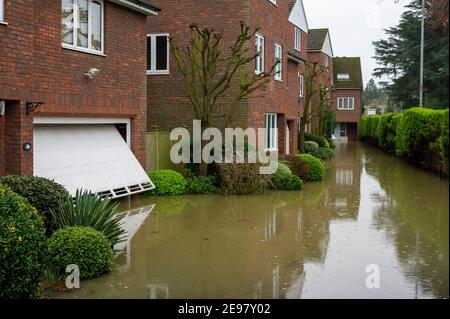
x=327 y=47
x=88 y=157
x=298 y=16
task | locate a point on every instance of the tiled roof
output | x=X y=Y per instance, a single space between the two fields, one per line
x=291 y=5
x=351 y=66
x=316 y=38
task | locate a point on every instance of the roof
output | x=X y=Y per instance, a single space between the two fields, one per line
x=291 y=5
x=351 y=66
x=316 y=39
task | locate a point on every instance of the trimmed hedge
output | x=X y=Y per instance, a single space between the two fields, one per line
x=416 y=134
x=41 y=193
x=321 y=141
x=293 y=183
x=23 y=246
x=311 y=147
x=316 y=167
x=168 y=183
x=201 y=185
x=85 y=247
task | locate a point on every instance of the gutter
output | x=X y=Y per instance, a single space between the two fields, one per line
x=296 y=58
x=138 y=6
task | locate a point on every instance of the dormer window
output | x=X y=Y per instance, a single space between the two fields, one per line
x=343 y=77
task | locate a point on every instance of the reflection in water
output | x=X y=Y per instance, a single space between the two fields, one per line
x=372 y=209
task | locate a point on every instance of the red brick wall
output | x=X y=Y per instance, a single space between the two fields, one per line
x=35 y=67
x=348 y=116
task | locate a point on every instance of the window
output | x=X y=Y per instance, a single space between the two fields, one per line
x=158 y=54
x=302 y=85
x=298 y=39
x=346 y=103
x=259 y=66
x=343 y=130
x=271 y=131
x=82 y=25
x=343 y=77
x=1 y=10
x=279 y=59
x=326 y=61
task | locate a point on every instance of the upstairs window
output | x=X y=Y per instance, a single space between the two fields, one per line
x=259 y=61
x=346 y=103
x=2 y=18
x=326 y=61
x=343 y=77
x=279 y=59
x=158 y=54
x=302 y=85
x=298 y=39
x=82 y=25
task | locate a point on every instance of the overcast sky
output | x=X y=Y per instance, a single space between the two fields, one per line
x=354 y=24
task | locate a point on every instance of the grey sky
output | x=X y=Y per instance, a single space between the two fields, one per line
x=354 y=24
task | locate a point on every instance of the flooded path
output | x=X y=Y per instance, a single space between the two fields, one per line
x=372 y=209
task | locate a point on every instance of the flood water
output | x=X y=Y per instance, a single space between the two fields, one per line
x=372 y=209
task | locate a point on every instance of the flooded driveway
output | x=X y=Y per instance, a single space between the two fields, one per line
x=372 y=213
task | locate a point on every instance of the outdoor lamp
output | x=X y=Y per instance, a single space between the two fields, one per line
x=26 y=147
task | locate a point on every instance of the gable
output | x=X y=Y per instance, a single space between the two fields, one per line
x=327 y=47
x=298 y=16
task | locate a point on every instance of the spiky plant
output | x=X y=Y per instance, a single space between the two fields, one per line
x=90 y=210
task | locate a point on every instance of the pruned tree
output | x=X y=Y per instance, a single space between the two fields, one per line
x=216 y=80
x=312 y=110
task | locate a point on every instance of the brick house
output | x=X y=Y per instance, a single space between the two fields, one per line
x=282 y=34
x=347 y=97
x=73 y=92
x=320 y=51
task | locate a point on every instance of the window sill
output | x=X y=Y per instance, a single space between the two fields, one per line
x=3 y=23
x=271 y=150
x=346 y=109
x=158 y=73
x=279 y=80
x=72 y=48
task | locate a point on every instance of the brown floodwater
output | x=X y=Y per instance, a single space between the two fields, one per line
x=372 y=209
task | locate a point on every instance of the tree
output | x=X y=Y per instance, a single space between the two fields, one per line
x=214 y=77
x=314 y=91
x=398 y=57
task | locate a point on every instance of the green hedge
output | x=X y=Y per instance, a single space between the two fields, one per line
x=415 y=134
x=168 y=183
x=316 y=168
x=321 y=141
x=23 y=246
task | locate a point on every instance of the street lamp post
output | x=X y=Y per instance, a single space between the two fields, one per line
x=422 y=49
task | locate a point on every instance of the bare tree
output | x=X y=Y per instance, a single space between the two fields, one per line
x=216 y=81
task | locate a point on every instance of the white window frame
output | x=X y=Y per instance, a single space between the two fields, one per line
x=343 y=77
x=326 y=61
x=298 y=39
x=2 y=11
x=74 y=46
x=271 y=137
x=346 y=103
x=259 y=47
x=274 y=2
x=153 y=70
x=278 y=57
x=301 y=82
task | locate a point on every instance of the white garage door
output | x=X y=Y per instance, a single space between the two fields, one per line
x=88 y=157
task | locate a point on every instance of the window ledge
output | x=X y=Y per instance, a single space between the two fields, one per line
x=279 y=80
x=158 y=72
x=87 y=51
x=3 y=23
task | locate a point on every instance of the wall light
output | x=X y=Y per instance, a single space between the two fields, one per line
x=26 y=147
x=92 y=73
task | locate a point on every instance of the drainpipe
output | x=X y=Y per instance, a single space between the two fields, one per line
x=422 y=49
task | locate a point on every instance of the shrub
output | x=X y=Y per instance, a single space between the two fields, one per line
x=242 y=179
x=41 y=193
x=293 y=183
x=298 y=166
x=311 y=147
x=89 y=210
x=278 y=179
x=201 y=184
x=332 y=144
x=442 y=142
x=83 y=246
x=168 y=183
x=325 y=154
x=321 y=141
x=22 y=247
x=316 y=168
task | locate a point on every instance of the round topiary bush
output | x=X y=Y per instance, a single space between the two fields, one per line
x=168 y=183
x=41 y=193
x=298 y=166
x=293 y=183
x=22 y=247
x=325 y=154
x=316 y=168
x=311 y=147
x=82 y=246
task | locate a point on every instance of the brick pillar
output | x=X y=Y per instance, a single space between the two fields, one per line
x=281 y=119
x=18 y=130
